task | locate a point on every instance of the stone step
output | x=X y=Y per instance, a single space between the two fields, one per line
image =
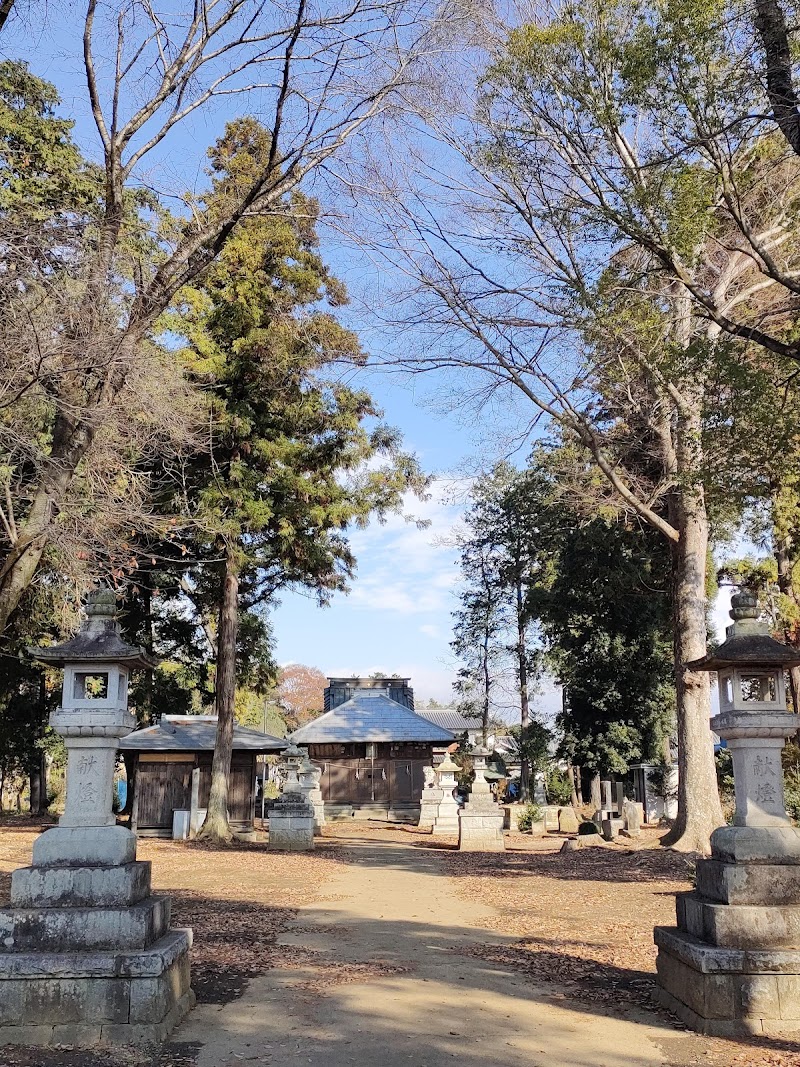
x=748 y=883
x=744 y=926
x=75 y=929
x=727 y=992
x=134 y=996
x=47 y=887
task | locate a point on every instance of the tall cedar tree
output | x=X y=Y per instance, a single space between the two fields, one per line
x=500 y=548
x=290 y=464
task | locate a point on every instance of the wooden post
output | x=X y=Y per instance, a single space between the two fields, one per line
x=194 y=803
x=135 y=806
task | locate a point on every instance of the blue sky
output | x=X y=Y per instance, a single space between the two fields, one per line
x=397 y=615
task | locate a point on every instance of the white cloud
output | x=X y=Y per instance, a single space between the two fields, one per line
x=429 y=630
x=404 y=568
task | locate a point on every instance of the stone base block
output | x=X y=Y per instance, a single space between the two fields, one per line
x=612 y=827
x=728 y=992
x=75 y=929
x=550 y=816
x=485 y=841
x=49 y=887
x=446 y=826
x=481 y=829
x=89 y=997
x=739 y=925
x=404 y=814
x=756 y=844
x=339 y=811
x=294 y=833
x=748 y=883
x=79 y=846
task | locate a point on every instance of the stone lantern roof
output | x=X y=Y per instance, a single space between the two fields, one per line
x=98 y=640
x=748 y=642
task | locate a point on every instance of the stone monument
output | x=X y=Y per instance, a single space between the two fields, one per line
x=480 y=821
x=86 y=952
x=291 y=817
x=430 y=799
x=310 y=775
x=732 y=966
x=567 y=820
x=538 y=790
x=446 y=820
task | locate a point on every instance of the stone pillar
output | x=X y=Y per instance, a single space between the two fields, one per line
x=539 y=793
x=86 y=952
x=430 y=800
x=291 y=818
x=310 y=776
x=446 y=819
x=732 y=965
x=480 y=821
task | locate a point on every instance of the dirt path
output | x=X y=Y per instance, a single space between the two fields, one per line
x=381 y=975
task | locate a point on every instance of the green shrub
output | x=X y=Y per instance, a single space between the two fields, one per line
x=530 y=814
x=588 y=827
x=791 y=787
x=558 y=786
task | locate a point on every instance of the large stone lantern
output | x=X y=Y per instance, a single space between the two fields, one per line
x=93 y=716
x=87 y=954
x=732 y=966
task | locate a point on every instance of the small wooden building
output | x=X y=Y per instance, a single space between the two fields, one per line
x=160 y=760
x=372 y=748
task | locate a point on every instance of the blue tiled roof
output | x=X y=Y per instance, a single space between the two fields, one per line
x=450 y=719
x=196 y=733
x=369 y=715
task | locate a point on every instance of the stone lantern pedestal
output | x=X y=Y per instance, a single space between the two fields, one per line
x=430 y=800
x=310 y=775
x=480 y=821
x=291 y=818
x=732 y=966
x=86 y=952
x=446 y=819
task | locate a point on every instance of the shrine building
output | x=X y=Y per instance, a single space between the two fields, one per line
x=372 y=747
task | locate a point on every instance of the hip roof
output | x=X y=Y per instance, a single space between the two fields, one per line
x=370 y=715
x=196 y=733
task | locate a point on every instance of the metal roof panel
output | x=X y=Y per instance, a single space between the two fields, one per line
x=370 y=715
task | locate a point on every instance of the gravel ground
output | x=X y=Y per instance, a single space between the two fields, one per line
x=580 y=920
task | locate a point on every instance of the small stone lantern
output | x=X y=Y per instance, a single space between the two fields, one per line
x=310 y=776
x=732 y=966
x=446 y=821
x=291 y=817
x=480 y=821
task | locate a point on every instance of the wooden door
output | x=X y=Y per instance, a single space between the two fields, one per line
x=161 y=788
x=374 y=781
x=241 y=790
x=418 y=779
x=401 y=781
x=336 y=782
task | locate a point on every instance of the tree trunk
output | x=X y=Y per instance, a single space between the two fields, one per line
x=38 y=786
x=69 y=446
x=524 y=700
x=783 y=561
x=774 y=33
x=699 y=808
x=38 y=768
x=597 y=795
x=216 y=826
x=577 y=792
